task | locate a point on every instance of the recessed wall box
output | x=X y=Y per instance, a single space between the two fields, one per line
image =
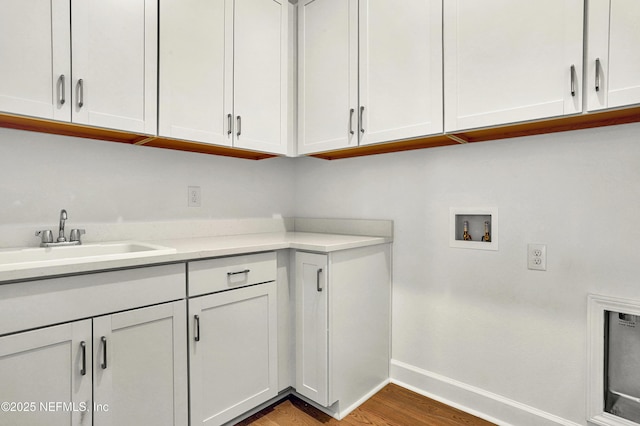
x=613 y=387
x=474 y=228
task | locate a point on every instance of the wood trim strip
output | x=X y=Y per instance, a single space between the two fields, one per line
x=456 y=138
x=145 y=140
x=40 y=125
x=553 y=125
x=204 y=148
x=384 y=148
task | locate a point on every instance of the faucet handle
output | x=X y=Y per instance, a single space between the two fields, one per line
x=46 y=236
x=76 y=234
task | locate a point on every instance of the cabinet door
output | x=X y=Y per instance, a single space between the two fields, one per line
x=115 y=64
x=327 y=75
x=509 y=61
x=312 y=360
x=140 y=366
x=233 y=352
x=195 y=96
x=45 y=369
x=260 y=75
x=613 y=57
x=35 y=52
x=400 y=69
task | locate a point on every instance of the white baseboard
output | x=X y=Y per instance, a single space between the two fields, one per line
x=345 y=412
x=334 y=410
x=478 y=402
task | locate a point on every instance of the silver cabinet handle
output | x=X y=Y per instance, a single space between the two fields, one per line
x=246 y=271
x=318 y=286
x=83 y=347
x=239 y=125
x=62 y=89
x=597 y=74
x=361 y=122
x=80 y=93
x=351 y=111
x=196 y=334
x=573 y=80
x=230 y=124
x=104 y=352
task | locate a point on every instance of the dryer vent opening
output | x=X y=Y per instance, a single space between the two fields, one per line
x=622 y=365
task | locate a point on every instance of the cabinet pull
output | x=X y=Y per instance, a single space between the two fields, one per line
x=80 y=93
x=62 y=89
x=318 y=286
x=351 y=111
x=597 y=74
x=83 y=347
x=196 y=335
x=573 y=80
x=103 y=339
x=246 y=271
x=239 y=125
x=361 y=122
x=230 y=124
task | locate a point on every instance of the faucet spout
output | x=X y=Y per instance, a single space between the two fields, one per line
x=63 y=218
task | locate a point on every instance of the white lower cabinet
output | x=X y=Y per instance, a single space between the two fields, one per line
x=342 y=325
x=40 y=368
x=233 y=336
x=119 y=356
x=131 y=350
x=135 y=364
x=233 y=351
x=312 y=324
x=140 y=367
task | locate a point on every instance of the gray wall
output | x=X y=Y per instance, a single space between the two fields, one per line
x=481 y=317
x=476 y=317
x=108 y=182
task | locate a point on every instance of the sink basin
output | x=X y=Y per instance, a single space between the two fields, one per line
x=11 y=259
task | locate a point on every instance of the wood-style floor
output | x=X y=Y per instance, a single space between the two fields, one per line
x=392 y=406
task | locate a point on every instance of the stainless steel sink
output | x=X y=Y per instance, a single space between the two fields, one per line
x=24 y=258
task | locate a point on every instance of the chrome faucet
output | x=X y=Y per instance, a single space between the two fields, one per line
x=63 y=218
x=46 y=236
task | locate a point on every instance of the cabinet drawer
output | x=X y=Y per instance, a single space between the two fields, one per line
x=209 y=276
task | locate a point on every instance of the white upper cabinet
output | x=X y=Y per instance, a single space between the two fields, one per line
x=115 y=64
x=193 y=60
x=400 y=69
x=510 y=61
x=368 y=72
x=223 y=72
x=111 y=81
x=613 y=55
x=260 y=74
x=35 y=52
x=327 y=75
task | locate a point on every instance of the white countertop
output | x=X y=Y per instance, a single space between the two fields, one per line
x=205 y=247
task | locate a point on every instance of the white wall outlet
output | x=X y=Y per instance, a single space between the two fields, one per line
x=194 y=196
x=537 y=257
